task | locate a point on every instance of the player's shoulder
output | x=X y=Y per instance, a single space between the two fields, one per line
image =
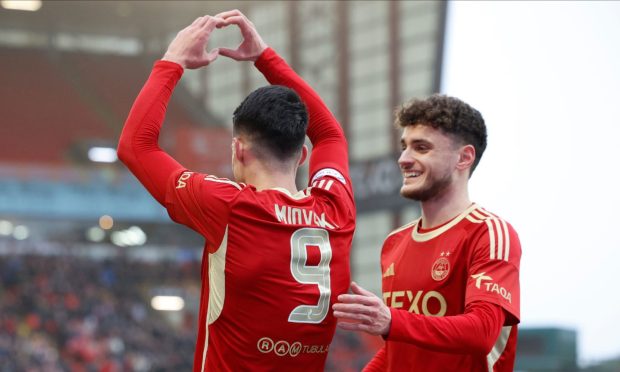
x=184 y=178
x=333 y=184
x=495 y=233
x=481 y=218
x=325 y=178
x=404 y=230
x=397 y=237
x=206 y=188
x=224 y=181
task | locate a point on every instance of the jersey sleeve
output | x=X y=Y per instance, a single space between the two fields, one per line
x=202 y=202
x=473 y=332
x=494 y=268
x=138 y=146
x=330 y=149
x=330 y=186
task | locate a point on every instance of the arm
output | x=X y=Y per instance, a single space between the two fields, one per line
x=495 y=263
x=138 y=146
x=330 y=149
x=326 y=135
x=475 y=331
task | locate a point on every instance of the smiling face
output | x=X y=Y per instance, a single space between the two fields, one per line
x=428 y=162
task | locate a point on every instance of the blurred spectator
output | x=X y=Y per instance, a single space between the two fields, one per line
x=70 y=313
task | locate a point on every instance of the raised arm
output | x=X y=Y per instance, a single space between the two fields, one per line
x=138 y=146
x=329 y=144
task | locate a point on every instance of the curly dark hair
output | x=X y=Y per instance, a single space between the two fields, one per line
x=448 y=114
x=275 y=118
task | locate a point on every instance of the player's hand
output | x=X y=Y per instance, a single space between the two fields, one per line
x=252 y=45
x=362 y=311
x=189 y=46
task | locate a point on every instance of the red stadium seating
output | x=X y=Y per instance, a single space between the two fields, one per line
x=42 y=113
x=52 y=101
x=116 y=80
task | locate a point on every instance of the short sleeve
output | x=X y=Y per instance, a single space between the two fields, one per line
x=202 y=202
x=494 y=268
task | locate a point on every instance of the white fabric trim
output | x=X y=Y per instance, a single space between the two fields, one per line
x=329 y=172
x=222 y=180
x=297 y=196
x=498 y=348
x=217 y=286
x=423 y=237
x=507 y=239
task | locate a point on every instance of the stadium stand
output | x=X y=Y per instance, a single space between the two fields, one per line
x=74 y=313
x=56 y=101
x=42 y=111
x=115 y=80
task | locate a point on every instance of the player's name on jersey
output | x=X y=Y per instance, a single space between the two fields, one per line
x=301 y=216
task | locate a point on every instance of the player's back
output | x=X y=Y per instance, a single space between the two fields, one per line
x=281 y=264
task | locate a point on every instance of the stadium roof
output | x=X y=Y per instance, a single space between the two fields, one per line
x=112 y=18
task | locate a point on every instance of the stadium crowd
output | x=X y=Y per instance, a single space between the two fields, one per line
x=73 y=313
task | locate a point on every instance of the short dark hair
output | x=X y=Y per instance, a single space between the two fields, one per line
x=450 y=115
x=275 y=118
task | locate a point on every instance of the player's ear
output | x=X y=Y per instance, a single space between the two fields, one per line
x=238 y=149
x=467 y=156
x=304 y=154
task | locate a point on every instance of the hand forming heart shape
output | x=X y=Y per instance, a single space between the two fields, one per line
x=188 y=48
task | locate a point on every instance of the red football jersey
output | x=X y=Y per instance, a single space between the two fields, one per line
x=274 y=265
x=474 y=257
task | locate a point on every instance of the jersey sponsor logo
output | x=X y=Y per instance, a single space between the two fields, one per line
x=389 y=271
x=485 y=282
x=431 y=303
x=300 y=216
x=441 y=267
x=181 y=182
x=265 y=345
x=283 y=348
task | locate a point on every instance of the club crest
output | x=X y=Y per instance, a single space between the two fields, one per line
x=440 y=269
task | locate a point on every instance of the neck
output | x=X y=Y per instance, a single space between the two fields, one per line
x=445 y=206
x=263 y=178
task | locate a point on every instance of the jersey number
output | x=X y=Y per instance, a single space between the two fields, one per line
x=318 y=275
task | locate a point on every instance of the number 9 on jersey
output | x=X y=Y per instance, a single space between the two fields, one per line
x=317 y=275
